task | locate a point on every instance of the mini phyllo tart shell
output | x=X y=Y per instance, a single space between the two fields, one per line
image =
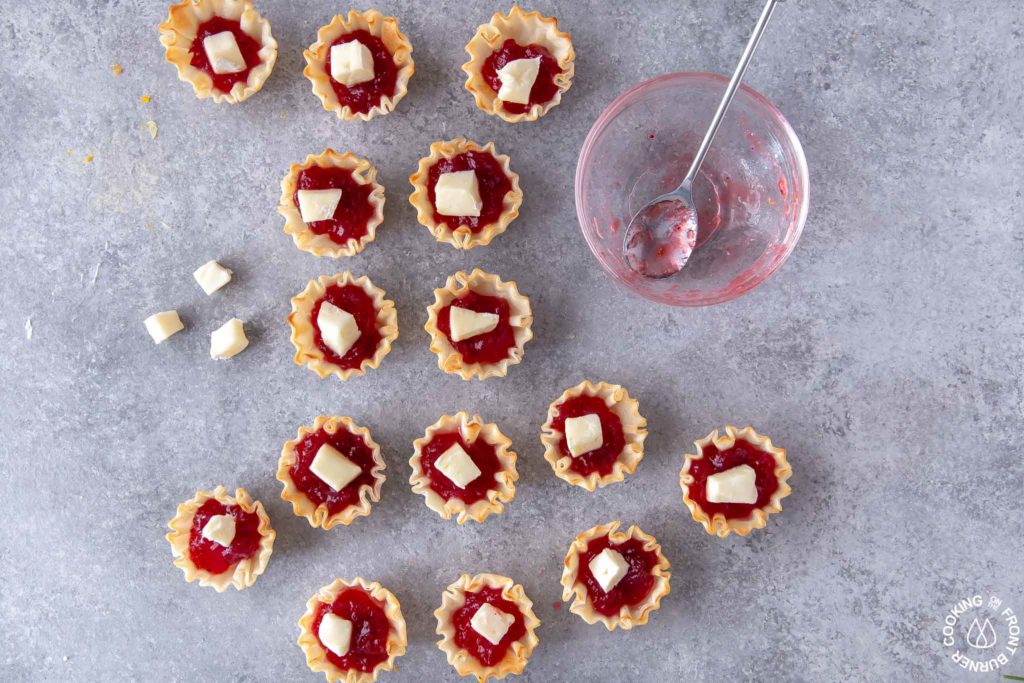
x=465 y=663
x=178 y=33
x=304 y=332
x=717 y=523
x=526 y=28
x=634 y=432
x=319 y=515
x=317 y=658
x=629 y=615
x=244 y=573
x=462 y=236
x=376 y=24
x=363 y=174
x=470 y=429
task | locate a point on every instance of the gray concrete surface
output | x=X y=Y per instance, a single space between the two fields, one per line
x=886 y=355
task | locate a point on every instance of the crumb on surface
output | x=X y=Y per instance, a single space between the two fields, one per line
x=88 y=159
x=28 y=328
x=116 y=68
x=152 y=128
x=145 y=99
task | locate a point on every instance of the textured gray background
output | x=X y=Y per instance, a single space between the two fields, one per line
x=886 y=355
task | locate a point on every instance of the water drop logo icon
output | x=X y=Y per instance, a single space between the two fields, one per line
x=981 y=636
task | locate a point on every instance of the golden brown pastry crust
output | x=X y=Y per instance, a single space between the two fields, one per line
x=363 y=173
x=319 y=515
x=628 y=617
x=719 y=525
x=316 y=657
x=245 y=571
x=525 y=28
x=375 y=23
x=306 y=351
x=466 y=664
x=471 y=429
x=178 y=32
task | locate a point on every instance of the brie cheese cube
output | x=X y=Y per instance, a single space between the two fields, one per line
x=228 y=340
x=583 y=434
x=333 y=468
x=223 y=53
x=458 y=194
x=466 y=323
x=220 y=529
x=351 y=63
x=517 y=79
x=608 y=567
x=491 y=622
x=338 y=328
x=335 y=633
x=456 y=464
x=211 y=276
x=162 y=325
x=318 y=205
x=735 y=485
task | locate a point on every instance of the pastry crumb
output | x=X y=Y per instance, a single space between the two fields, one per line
x=28 y=328
x=152 y=128
x=116 y=68
x=88 y=159
x=283 y=113
x=165 y=225
x=96 y=272
x=145 y=99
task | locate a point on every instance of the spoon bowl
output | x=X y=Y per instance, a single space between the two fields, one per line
x=662 y=235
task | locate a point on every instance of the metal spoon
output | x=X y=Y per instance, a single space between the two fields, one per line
x=660 y=239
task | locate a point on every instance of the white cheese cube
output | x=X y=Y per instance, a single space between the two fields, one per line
x=335 y=633
x=517 y=79
x=458 y=194
x=162 y=325
x=466 y=323
x=228 y=340
x=735 y=485
x=583 y=434
x=220 y=529
x=333 y=468
x=456 y=464
x=338 y=328
x=223 y=53
x=318 y=205
x=608 y=567
x=211 y=276
x=491 y=622
x=351 y=63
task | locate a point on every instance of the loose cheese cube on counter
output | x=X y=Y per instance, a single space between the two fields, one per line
x=162 y=325
x=211 y=276
x=228 y=340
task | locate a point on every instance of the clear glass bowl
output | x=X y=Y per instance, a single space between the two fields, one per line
x=751 y=193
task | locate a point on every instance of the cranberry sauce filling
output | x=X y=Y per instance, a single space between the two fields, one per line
x=362 y=97
x=354 y=210
x=600 y=460
x=359 y=305
x=212 y=556
x=544 y=88
x=316 y=489
x=249 y=48
x=634 y=586
x=483 y=455
x=715 y=461
x=489 y=347
x=370 y=628
x=475 y=644
x=491 y=179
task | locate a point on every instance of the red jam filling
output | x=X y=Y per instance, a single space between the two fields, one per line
x=212 y=556
x=249 y=48
x=634 y=586
x=362 y=97
x=486 y=348
x=359 y=305
x=316 y=489
x=490 y=178
x=370 y=628
x=475 y=644
x=600 y=460
x=544 y=88
x=714 y=461
x=354 y=209
x=484 y=456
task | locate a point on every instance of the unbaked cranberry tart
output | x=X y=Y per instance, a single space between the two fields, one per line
x=465 y=194
x=352 y=630
x=360 y=66
x=734 y=481
x=221 y=540
x=224 y=48
x=614 y=577
x=331 y=472
x=487 y=626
